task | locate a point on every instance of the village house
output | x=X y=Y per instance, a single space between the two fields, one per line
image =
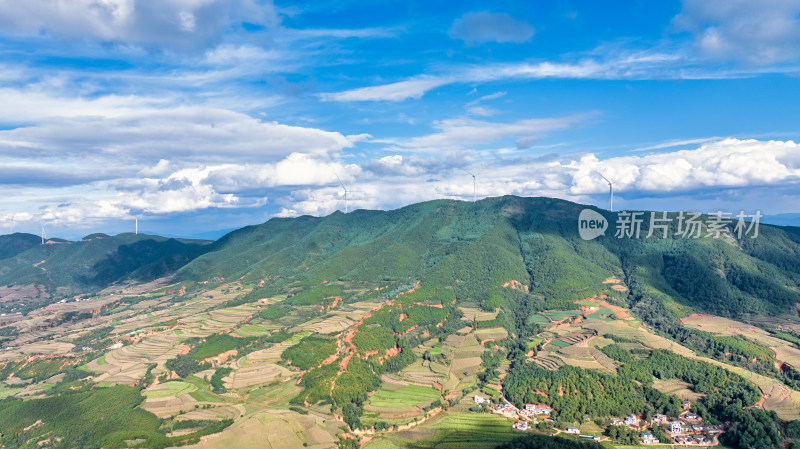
x=589 y=437
x=693 y=417
x=536 y=409
x=616 y=422
x=573 y=430
x=659 y=419
x=676 y=427
x=686 y=405
x=478 y=399
x=648 y=438
x=631 y=420
x=507 y=409
x=520 y=425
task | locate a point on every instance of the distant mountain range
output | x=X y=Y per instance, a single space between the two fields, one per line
x=65 y=267
x=457 y=249
x=783 y=219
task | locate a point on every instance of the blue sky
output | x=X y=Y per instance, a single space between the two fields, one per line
x=207 y=115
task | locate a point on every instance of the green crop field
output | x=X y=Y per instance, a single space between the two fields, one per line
x=538 y=319
x=559 y=343
x=408 y=395
x=170 y=389
x=453 y=431
x=561 y=314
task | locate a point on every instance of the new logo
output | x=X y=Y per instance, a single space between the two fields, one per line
x=591 y=224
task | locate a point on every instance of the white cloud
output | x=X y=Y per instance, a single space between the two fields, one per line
x=724 y=163
x=763 y=32
x=173 y=23
x=460 y=132
x=479 y=27
x=413 y=88
x=625 y=66
x=307 y=184
x=482 y=111
x=397 y=180
x=142 y=130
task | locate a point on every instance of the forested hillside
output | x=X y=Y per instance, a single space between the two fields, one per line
x=64 y=267
x=471 y=249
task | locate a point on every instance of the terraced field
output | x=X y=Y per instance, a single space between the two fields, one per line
x=451 y=431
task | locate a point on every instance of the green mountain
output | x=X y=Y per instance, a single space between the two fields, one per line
x=13 y=244
x=459 y=250
x=64 y=267
x=467 y=251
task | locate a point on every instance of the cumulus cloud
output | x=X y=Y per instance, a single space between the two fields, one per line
x=306 y=184
x=762 y=32
x=724 y=163
x=480 y=27
x=396 y=180
x=173 y=23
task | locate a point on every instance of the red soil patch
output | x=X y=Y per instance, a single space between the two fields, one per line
x=515 y=285
x=693 y=316
x=331 y=358
x=221 y=358
x=438 y=306
x=588 y=310
x=186 y=349
x=345 y=361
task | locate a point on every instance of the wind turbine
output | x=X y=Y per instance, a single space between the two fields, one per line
x=475 y=182
x=610 y=189
x=43 y=236
x=137 y=225
x=345 y=191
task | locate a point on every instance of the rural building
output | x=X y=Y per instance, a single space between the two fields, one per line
x=478 y=399
x=647 y=438
x=675 y=427
x=659 y=419
x=573 y=430
x=537 y=409
x=520 y=425
x=631 y=420
x=686 y=405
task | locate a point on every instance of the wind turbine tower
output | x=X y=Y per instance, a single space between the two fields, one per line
x=345 y=192
x=43 y=237
x=137 y=225
x=610 y=190
x=474 y=182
